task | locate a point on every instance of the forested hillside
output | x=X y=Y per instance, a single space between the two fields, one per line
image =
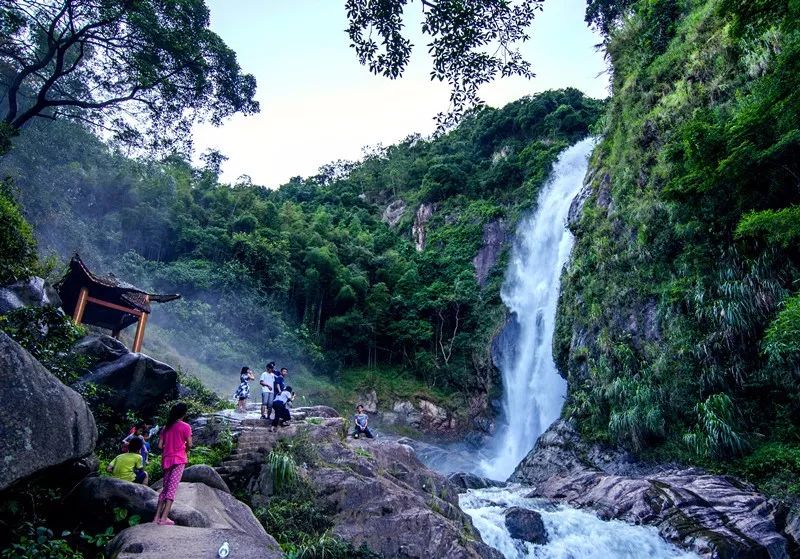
x=678 y=321
x=326 y=271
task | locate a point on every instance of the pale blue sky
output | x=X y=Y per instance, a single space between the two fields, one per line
x=318 y=104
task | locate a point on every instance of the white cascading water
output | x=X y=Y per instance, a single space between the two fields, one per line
x=571 y=533
x=533 y=390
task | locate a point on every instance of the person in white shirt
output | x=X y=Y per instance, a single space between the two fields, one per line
x=267 y=383
x=281 y=406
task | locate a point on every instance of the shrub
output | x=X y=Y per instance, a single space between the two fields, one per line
x=17 y=244
x=715 y=434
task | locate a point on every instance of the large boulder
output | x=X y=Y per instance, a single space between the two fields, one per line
x=526 y=525
x=137 y=382
x=712 y=515
x=465 y=480
x=150 y=541
x=33 y=292
x=196 y=505
x=376 y=491
x=200 y=473
x=43 y=423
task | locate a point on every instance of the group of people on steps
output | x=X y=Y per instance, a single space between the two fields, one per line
x=275 y=394
x=174 y=442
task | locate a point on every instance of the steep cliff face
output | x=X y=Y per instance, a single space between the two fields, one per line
x=684 y=267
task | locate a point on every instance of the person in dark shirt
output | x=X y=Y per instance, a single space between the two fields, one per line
x=362 y=423
x=280 y=380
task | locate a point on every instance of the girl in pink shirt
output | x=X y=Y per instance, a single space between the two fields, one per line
x=175 y=440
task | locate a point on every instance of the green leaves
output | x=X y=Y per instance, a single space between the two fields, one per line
x=715 y=434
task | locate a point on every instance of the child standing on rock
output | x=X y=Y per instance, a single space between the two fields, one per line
x=175 y=441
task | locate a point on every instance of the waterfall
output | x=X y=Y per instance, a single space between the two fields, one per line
x=533 y=391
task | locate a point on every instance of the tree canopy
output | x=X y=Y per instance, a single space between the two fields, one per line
x=472 y=42
x=129 y=66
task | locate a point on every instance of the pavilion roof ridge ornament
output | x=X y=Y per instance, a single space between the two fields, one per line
x=115 y=304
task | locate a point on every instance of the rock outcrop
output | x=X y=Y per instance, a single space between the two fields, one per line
x=715 y=516
x=150 y=541
x=44 y=423
x=423 y=415
x=34 y=292
x=200 y=473
x=418 y=230
x=394 y=212
x=376 y=491
x=495 y=235
x=206 y=517
x=137 y=382
x=526 y=525
x=464 y=481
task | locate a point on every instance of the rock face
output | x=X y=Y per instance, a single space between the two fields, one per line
x=495 y=235
x=150 y=541
x=43 y=423
x=394 y=212
x=526 y=525
x=418 y=232
x=137 y=382
x=377 y=491
x=424 y=415
x=34 y=292
x=464 y=481
x=714 y=516
x=205 y=515
x=200 y=473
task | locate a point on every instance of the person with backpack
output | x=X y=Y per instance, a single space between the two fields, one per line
x=175 y=441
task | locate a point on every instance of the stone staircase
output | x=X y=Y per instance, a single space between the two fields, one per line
x=256 y=439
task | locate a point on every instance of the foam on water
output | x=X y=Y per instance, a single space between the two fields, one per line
x=572 y=533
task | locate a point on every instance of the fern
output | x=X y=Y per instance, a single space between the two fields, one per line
x=715 y=434
x=283 y=470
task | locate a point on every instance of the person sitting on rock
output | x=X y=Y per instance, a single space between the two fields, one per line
x=281 y=407
x=243 y=390
x=362 y=422
x=129 y=465
x=175 y=441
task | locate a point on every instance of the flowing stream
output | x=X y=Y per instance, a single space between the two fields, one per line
x=571 y=533
x=533 y=391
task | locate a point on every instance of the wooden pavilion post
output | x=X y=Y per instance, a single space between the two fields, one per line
x=80 y=306
x=138 y=339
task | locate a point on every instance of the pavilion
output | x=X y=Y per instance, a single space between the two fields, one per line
x=106 y=301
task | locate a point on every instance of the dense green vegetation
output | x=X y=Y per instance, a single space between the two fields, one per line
x=308 y=273
x=678 y=315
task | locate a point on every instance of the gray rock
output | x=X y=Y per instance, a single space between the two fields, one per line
x=34 y=292
x=200 y=473
x=99 y=348
x=418 y=232
x=526 y=525
x=377 y=491
x=369 y=400
x=394 y=212
x=464 y=481
x=316 y=411
x=44 y=423
x=711 y=515
x=495 y=235
x=150 y=541
x=196 y=505
x=137 y=382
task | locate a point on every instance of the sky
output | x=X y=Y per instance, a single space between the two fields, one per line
x=318 y=104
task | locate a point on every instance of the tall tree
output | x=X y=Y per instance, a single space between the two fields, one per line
x=133 y=67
